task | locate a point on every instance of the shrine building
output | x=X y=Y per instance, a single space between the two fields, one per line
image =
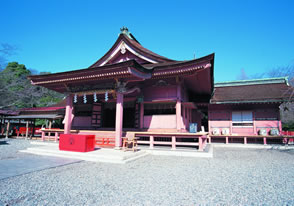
x=132 y=88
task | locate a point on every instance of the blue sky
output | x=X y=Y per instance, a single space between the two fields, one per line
x=63 y=35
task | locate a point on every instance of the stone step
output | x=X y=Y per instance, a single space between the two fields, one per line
x=100 y=155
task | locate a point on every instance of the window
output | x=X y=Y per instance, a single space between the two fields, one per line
x=244 y=118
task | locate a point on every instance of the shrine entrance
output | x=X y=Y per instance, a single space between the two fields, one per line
x=109 y=112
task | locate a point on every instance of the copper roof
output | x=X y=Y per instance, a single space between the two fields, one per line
x=129 y=69
x=252 y=91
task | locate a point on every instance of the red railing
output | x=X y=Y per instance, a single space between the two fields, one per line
x=105 y=141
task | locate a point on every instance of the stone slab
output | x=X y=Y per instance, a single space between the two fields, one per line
x=98 y=155
x=24 y=165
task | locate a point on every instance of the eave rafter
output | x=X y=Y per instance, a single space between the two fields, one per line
x=109 y=75
x=181 y=71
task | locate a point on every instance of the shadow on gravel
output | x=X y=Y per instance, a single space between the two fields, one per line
x=290 y=150
x=3 y=142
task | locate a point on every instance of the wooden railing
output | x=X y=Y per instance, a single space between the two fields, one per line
x=105 y=141
x=46 y=134
x=282 y=138
x=173 y=139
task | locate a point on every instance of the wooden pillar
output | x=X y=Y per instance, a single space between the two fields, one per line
x=7 y=129
x=264 y=140
x=184 y=117
x=27 y=129
x=19 y=125
x=56 y=136
x=178 y=115
x=33 y=132
x=200 y=142
x=245 y=140
x=151 y=142
x=50 y=126
x=141 y=115
x=280 y=123
x=231 y=122
x=68 y=114
x=227 y=140
x=119 y=120
x=179 y=108
x=173 y=142
x=205 y=141
x=43 y=136
x=2 y=128
x=189 y=115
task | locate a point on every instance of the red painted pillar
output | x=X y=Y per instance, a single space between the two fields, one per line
x=43 y=136
x=141 y=115
x=173 y=142
x=151 y=142
x=200 y=143
x=184 y=117
x=119 y=120
x=279 y=123
x=227 y=140
x=179 y=108
x=68 y=114
x=254 y=123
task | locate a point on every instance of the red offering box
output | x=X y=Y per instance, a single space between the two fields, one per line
x=77 y=142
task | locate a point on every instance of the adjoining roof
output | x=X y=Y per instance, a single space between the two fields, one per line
x=41 y=109
x=252 y=82
x=252 y=91
x=37 y=116
x=8 y=112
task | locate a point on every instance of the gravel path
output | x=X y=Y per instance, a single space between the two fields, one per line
x=232 y=177
x=9 y=148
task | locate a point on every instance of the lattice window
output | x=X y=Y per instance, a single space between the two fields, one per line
x=242 y=118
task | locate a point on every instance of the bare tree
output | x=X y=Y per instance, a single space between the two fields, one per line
x=5 y=51
x=242 y=75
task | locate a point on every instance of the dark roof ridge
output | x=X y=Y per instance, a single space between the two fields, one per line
x=180 y=63
x=275 y=80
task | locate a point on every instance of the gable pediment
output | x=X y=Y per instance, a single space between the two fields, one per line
x=127 y=48
x=124 y=52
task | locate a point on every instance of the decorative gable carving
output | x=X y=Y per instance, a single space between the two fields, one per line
x=121 y=50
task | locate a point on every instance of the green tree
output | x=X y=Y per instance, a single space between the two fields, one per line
x=16 y=90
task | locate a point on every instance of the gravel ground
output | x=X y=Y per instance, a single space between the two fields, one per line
x=232 y=177
x=9 y=148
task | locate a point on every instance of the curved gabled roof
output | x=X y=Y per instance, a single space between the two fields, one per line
x=130 y=41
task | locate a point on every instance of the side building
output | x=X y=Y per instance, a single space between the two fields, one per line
x=248 y=107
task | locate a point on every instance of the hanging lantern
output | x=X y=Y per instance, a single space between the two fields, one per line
x=95 y=97
x=106 y=96
x=85 y=98
x=75 y=98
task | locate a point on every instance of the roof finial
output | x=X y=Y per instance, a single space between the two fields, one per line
x=125 y=30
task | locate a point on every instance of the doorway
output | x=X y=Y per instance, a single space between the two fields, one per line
x=109 y=115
